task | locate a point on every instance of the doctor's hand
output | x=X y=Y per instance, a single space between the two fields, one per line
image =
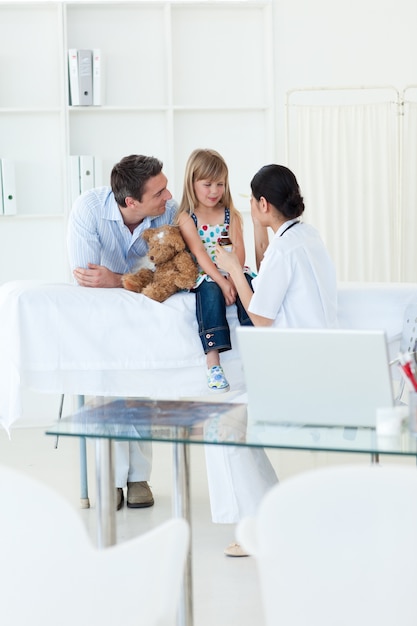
x=227 y=261
x=97 y=276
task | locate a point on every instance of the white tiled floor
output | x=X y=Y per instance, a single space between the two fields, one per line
x=226 y=590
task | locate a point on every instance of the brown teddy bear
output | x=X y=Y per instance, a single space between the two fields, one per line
x=174 y=270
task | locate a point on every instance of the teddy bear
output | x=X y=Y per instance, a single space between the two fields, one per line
x=174 y=267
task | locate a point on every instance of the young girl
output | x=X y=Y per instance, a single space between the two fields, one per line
x=205 y=211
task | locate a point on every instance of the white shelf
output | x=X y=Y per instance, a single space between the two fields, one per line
x=29 y=110
x=167 y=88
x=33 y=216
x=94 y=110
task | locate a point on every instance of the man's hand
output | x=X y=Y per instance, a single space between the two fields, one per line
x=97 y=276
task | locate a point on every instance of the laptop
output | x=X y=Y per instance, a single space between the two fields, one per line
x=325 y=377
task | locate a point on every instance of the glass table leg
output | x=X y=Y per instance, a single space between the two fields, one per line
x=181 y=508
x=106 y=494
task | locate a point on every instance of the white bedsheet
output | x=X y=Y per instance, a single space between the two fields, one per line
x=61 y=338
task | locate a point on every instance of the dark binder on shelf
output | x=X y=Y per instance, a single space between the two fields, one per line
x=85 y=76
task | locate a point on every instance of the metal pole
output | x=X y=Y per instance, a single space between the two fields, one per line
x=106 y=494
x=84 y=499
x=181 y=508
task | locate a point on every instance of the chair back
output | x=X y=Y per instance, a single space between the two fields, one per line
x=51 y=573
x=338 y=546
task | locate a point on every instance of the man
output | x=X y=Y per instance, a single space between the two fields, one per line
x=104 y=242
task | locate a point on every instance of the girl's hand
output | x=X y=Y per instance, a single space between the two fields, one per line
x=228 y=291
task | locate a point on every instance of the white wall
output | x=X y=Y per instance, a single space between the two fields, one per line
x=33 y=249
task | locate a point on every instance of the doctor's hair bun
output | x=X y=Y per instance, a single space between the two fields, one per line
x=278 y=185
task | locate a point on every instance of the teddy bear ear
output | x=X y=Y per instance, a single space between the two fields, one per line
x=148 y=234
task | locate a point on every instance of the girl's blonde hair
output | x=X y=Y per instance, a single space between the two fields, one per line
x=205 y=164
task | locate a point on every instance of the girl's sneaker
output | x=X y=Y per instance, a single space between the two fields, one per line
x=216 y=379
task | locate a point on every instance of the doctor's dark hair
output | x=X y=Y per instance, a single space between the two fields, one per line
x=278 y=185
x=129 y=177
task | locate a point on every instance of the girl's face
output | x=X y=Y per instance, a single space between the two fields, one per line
x=209 y=193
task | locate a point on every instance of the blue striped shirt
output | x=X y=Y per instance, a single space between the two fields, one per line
x=97 y=233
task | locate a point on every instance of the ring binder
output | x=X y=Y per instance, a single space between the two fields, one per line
x=8 y=187
x=85 y=76
x=73 y=77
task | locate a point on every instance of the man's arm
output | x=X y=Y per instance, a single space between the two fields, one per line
x=97 y=276
x=84 y=250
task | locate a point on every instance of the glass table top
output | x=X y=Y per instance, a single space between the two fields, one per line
x=199 y=422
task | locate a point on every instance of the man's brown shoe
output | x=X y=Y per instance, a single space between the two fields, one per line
x=119 y=498
x=139 y=495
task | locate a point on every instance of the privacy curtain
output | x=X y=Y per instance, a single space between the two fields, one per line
x=408 y=249
x=347 y=160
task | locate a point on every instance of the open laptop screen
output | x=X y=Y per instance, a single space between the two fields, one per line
x=315 y=376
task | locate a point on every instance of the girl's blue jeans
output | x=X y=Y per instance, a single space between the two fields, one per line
x=213 y=327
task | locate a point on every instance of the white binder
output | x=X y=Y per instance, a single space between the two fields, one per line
x=85 y=76
x=97 y=85
x=86 y=173
x=74 y=96
x=8 y=187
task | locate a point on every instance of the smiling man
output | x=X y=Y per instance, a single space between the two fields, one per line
x=106 y=224
x=105 y=241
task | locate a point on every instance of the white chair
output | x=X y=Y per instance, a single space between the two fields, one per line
x=338 y=547
x=50 y=572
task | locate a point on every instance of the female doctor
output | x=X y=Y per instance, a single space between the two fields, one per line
x=295 y=288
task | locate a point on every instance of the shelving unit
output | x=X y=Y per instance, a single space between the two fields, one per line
x=32 y=122
x=168 y=86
